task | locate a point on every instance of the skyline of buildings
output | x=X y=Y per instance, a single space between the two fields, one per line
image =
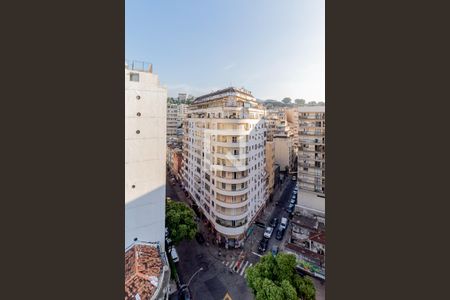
x=229 y=152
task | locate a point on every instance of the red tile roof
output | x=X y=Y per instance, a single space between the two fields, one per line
x=142 y=265
x=318 y=237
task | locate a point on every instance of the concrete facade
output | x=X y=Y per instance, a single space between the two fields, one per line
x=224 y=161
x=311 y=161
x=284 y=153
x=145 y=156
x=270 y=166
x=175 y=117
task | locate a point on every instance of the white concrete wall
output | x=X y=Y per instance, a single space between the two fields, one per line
x=145 y=155
x=282 y=152
x=310 y=203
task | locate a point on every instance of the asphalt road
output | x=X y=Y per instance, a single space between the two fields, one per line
x=217 y=278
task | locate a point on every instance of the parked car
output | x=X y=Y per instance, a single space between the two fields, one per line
x=280 y=233
x=174 y=255
x=294 y=178
x=199 y=237
x=290 y=208
x=263 y=245
x=284 y=223
x=293 y=200
x=275 y=250
x=268 y=232
x=274 y=222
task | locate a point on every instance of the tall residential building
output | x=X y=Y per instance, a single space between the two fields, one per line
x=311 y=160
x=172 y=116
x=175 y=117
x=270 y=166
x=293 y=122
x=224 y=161
x=182 y=96
x=145 y=155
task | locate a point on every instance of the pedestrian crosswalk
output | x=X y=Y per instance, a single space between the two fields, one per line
x=238 y=268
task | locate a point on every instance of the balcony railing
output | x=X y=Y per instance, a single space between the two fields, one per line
x=135 y=65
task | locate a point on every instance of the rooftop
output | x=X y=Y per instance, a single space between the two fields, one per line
x=318 y=237
x=305 y=221
x=143 y=267
x=204 y=98
x=313 y=109
x=310 y=255
x=140 y=66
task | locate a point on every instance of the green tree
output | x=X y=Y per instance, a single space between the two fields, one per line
x=286 y=100
x=288 y=290
x=300 y=102
x=321 y=103
x=312 y=103
x=274 y=277
x=180 y=219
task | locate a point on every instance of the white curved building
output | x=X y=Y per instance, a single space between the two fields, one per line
x=224 y=161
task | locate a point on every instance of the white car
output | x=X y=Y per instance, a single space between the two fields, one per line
x=283 y=223
x=268 y=232
x=174 y=255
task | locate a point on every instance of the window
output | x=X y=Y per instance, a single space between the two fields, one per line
x=134 y=77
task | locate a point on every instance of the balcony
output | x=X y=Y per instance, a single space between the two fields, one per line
x=231 y=180
x=229 y=192
x=230 y=155
x=231 y=168
x=231 y=216
x=228 y=131
x=311 y=133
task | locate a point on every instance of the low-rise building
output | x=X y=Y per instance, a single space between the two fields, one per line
x=147 y=272
x=307 y=243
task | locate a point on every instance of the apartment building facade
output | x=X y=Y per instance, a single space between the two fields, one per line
x=175 y=117
x=224 y=167
x=311 y=160
x=270 y=166
x=294 y=124
x=145 y=155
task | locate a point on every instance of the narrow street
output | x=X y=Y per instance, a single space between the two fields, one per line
x=219 y=274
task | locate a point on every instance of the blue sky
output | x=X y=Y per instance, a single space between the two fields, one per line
x=275 y=49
